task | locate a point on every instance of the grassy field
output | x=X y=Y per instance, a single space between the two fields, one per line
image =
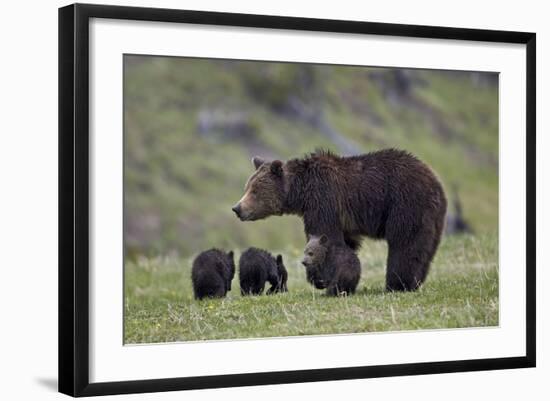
x=461 y=291
x=191 y=127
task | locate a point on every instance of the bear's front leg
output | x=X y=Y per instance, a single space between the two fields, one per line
x=324 y=222
x=352 y=241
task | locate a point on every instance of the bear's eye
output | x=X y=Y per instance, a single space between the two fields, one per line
x=310 y=254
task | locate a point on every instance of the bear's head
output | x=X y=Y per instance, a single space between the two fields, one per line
x=263 y=192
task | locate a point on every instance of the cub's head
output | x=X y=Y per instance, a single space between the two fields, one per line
x=314 y=257
x=263 y=192
x=315 y=251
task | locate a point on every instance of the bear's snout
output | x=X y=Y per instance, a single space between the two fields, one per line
x=237 y=210
x=306 y=262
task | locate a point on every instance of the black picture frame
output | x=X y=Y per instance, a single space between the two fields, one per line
x=74 y=198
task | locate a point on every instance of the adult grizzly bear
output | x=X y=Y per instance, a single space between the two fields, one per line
x=386 y=194
x=334 y=267
x=256 y=267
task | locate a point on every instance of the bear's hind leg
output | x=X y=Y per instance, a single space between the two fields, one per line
x=408 y=265
x=410 y=253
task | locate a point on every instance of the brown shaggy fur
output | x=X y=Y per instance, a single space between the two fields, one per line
x=388 y=194
x=334 y=267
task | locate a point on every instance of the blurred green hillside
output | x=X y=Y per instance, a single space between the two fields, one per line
x=192 y=126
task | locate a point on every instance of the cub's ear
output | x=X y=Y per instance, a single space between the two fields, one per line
x=323 y=239
x=257 y=162
x=277 y=168
x=230 y=254
x=279 y=259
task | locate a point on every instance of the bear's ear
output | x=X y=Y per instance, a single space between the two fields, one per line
x=277 y=168
x=323 y=239
x=257 y=162
x=230 y=254
x=279 y=259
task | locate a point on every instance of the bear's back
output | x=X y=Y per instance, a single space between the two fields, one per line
x=257 y=259
x=401 y=173
x=212 y=260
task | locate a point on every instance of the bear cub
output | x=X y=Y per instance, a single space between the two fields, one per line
x=332 y=266
x=256 y=267
x=212 y=273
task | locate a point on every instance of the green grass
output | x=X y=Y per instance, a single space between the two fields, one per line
x=461 y=291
